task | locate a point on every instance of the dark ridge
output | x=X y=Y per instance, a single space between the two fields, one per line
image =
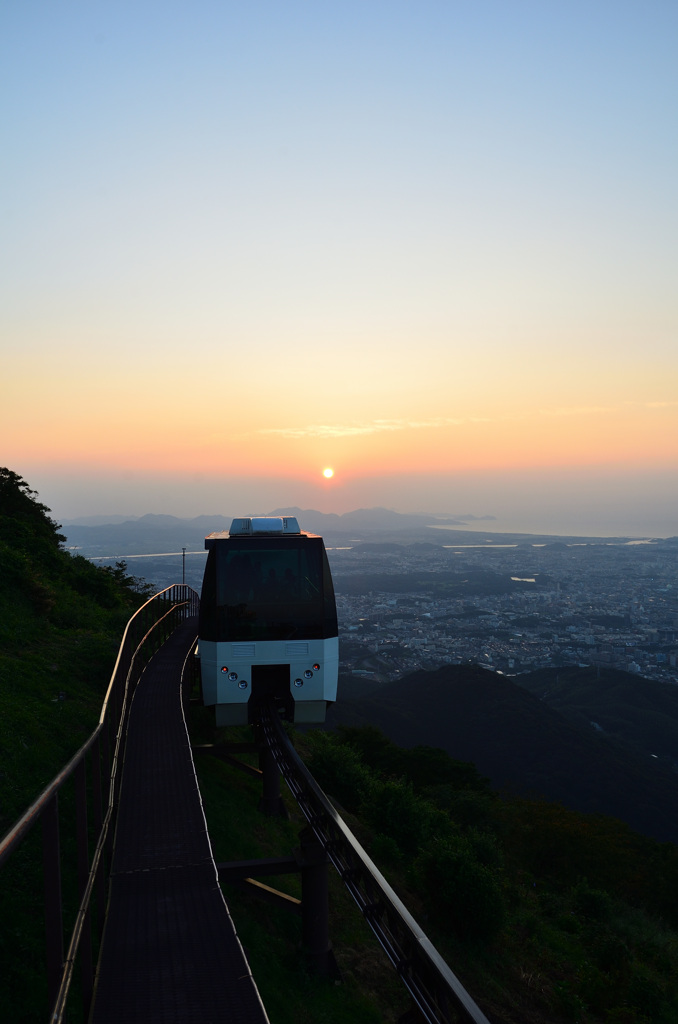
x=642 y=713
x=520 y=744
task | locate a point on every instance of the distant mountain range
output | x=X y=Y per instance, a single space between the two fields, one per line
x=152 y=533
x=625 y=768
x=379 y=517
x=374 y=520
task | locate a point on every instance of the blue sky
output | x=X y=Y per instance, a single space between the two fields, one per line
x=280 y=226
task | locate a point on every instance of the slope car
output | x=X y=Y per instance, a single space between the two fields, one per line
x=268 y=622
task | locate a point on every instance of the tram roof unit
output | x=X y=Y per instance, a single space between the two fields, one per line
x=259 y=526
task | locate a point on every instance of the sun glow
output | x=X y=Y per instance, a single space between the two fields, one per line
x=328 y=473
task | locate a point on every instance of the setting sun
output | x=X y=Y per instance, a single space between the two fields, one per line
x=328 y=473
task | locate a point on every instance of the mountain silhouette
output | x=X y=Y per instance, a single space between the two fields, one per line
x=520 y=743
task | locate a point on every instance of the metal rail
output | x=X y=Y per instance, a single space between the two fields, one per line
x=435 y=989
x=148 y=628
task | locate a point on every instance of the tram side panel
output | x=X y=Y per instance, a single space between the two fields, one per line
x=268 y=627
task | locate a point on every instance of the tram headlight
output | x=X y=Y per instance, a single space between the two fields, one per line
x=298 y=682
x=316 y=667
x=224 y=668
x=233 y=676
x=242 y=684
x=308 y=674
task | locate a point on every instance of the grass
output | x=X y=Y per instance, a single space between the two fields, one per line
x=368 y=990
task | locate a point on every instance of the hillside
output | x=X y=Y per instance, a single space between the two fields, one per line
x=510 y=890
x=61 y=622
x=520 y=743
x=640 y=712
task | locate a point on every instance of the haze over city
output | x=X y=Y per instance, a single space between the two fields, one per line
x=432 y=247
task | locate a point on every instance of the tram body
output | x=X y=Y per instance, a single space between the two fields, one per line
x=268 y=622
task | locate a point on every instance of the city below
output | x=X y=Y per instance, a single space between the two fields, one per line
x=511 y=609
x=412 y=599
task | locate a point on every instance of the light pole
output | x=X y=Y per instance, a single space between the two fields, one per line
x=183 y=565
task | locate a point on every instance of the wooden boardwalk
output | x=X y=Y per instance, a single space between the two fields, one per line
x=170 y=952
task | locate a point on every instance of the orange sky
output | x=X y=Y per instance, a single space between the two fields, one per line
x=455 y=262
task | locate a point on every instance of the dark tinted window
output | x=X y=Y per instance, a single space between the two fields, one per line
x=208 y=607
x=268 y=590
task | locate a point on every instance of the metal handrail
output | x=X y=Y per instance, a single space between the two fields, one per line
x=436 y=990
x=133 y=654
x=69 y=963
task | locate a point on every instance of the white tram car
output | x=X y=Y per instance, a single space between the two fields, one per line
x=268 y=622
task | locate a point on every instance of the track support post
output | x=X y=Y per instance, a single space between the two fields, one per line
x=315 y=905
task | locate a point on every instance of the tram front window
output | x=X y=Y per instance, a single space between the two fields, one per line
x=269 y=591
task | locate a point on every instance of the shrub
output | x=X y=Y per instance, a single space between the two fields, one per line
x=338 y=770
x=465 y=806
x=394 y=809
x=385 y=850
x=423 y=766
x=591 y=904
x=462 y=892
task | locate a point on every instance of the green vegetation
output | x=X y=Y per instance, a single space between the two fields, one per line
x=369 y=991
x=546 y=915
x=61 y=622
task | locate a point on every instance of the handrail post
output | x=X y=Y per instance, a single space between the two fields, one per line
x=99 y=751
x=86 y=964
x=51 y=859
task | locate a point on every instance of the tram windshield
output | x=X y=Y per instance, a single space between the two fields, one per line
x=268 y=590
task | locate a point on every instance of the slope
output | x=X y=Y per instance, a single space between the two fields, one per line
x=520 y=744
x=640 y=712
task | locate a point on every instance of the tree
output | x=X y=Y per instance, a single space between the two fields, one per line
x=135 y=583
x=33 y=561
x=23 y=519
